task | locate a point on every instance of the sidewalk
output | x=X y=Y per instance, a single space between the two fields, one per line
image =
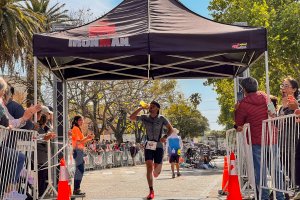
x=129 y=183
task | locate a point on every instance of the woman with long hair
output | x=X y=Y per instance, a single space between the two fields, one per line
x=290 y=91
x=288 y=139
x=78 y=143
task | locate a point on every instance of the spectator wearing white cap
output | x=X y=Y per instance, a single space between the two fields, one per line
x=174 y=146
x=45 y=134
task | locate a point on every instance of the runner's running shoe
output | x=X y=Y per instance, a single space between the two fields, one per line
x=151 y=195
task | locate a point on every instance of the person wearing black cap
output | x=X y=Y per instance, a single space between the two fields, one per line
x=154 y=123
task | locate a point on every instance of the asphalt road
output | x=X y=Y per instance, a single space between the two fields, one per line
x=129 y=183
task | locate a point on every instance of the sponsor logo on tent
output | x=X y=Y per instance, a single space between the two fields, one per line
x=101 y=34
x=97 y=42
x=240 y=45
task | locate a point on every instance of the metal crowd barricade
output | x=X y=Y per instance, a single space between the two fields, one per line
x=240 y=144
x=105 y=159
x=17 y=148
x=245 y=163
x=102 y=157
x=130 y=160
x=109 y=159
x=279 y=139
x=70 y=160
x=125 y=158
x=97 y=159
x=142 y=156
x=117 y=159
x=89 y=162
x=230 y=142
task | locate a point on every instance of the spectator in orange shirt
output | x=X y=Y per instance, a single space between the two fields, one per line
x=78 y=142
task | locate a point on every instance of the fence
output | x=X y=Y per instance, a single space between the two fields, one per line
x=17 y=147
x=106 y=159
x=279 y=139
x=240 y=144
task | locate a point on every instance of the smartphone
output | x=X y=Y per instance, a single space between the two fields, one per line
x=271 y=108
x=240 y=96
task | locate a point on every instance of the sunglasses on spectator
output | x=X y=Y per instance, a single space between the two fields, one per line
x=284 y=86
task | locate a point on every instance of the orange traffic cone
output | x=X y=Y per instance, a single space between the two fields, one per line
x=64 y=189
x=225 y=179
x=234 y=192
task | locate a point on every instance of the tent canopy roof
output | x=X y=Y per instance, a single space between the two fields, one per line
x=150 y=39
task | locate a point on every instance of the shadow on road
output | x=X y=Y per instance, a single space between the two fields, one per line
x=197 y=172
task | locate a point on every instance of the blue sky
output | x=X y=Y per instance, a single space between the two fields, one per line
x=209 y=106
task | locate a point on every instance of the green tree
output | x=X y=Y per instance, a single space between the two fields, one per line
x=52 y=15
x=195 y=99
x=282 y=19
x=217 y=134
x=17 y=25
x=188 y=120
x=110 y=102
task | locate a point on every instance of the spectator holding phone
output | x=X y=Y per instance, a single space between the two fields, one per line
x=274 y=101
x=45 y=134
x=289 y=90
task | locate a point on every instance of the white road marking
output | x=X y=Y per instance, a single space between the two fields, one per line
x=129 y=172
x=106 y=173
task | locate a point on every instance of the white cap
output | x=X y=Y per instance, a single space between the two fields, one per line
x=46 y=110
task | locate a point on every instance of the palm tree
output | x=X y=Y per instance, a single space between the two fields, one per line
x=54 y=14
x=17 y=25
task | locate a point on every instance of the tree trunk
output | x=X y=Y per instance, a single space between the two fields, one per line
x=95 y=123
x=30 y=82
x=138 y=132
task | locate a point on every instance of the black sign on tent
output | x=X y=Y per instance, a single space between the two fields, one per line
x=154 y=39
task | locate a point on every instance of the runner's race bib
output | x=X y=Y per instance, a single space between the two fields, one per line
x=151 y=145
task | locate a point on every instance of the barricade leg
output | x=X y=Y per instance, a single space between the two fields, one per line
x=278 y=176
x=297 y=164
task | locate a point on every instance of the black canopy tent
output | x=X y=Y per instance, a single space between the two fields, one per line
x=154 y=39
x=149 y=39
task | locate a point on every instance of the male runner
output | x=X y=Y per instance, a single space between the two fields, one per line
x=154 y=123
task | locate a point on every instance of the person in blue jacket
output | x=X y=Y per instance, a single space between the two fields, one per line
x=174 y=146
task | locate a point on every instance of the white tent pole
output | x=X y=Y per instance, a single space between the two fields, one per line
x=35 y=61
x=65 y=117
x=235 y=88
x=267 y=73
